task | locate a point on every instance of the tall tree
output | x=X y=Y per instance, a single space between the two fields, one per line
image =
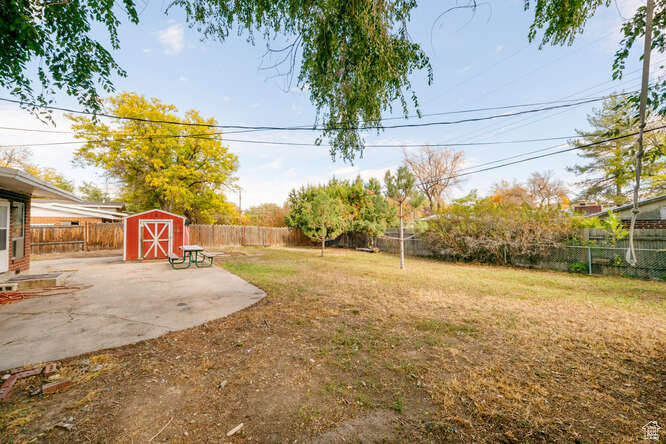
x=435 y=171
x=318 y=214
x=545 y=189
x=93 y=193
x=513 y=193
x=178 y=168
x=558 y=22
x=401 y=189
x=355 y=58
x=608 y=173
x=59 y=35
x=267 y=214
x=370 y=211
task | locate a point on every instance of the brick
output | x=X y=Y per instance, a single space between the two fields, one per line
x=31 y=372
x=50 y=367
x=56 y=386
x=7 y=387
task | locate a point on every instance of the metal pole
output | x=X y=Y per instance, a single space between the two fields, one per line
x=647 y=49
x=589 y=260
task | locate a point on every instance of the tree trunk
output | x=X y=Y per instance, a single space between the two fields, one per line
x=323 y=239
x=402 y=242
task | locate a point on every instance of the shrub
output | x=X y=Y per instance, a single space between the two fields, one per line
x=480 y=229
x=577 y=267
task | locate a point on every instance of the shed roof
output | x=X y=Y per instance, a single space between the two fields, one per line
x=155 y=209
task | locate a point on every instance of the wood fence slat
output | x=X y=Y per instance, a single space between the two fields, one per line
x=109 y=236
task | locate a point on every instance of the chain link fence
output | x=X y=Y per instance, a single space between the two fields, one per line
x=600 y=260
x=584 y=259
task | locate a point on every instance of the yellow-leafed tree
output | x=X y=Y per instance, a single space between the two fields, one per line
x=178 y=165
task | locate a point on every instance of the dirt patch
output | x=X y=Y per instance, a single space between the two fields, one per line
x=374 y=427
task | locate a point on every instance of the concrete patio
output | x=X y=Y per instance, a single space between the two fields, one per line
x=126 y=303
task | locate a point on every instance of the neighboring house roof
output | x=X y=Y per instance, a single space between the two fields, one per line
x=119 y=206
x=56 y=209
x=626 y=207
x=21 y=182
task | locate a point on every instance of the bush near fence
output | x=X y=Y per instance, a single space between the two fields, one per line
x=109 y=236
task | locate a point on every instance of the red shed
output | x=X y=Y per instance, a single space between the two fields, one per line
x=153 y=235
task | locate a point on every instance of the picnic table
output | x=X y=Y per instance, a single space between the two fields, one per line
x=192 y=254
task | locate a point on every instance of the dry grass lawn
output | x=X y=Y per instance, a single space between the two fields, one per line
x=348 y=348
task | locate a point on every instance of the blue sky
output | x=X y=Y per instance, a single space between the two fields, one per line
x=479 y=60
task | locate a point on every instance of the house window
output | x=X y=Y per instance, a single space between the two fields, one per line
x=17 y=229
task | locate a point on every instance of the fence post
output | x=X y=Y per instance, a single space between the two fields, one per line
x=589 y=260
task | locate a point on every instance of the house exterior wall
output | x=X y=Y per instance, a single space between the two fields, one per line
x=21 y=264
x=646 y=224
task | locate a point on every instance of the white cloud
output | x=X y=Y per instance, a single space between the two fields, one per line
x=182 y=78
x=254 y=105
x=499 y=48
x=226 y=99
x=147 y=50
x=172 y=39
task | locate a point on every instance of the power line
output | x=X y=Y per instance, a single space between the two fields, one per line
x=314 y=128
x=625 y=80
x=543 y=155
x=221 y=138
x=411 y=116
x=512 y=157
x=35 y=130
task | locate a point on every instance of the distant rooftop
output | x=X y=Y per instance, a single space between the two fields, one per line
x=88 y=203
x=630 y=205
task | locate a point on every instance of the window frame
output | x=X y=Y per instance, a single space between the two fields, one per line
x=17 y=204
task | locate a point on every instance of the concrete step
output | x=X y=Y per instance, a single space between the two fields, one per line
x=32 y=281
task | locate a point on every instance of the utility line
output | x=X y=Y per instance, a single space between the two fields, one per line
x=296 y=128
x=221 y=138
x=627 y=79
x=543 y=155
x=411 y=116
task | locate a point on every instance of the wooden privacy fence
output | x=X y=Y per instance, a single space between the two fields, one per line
x=56 y=239
x=109 y=236
x=78 y=238
x=213 y=236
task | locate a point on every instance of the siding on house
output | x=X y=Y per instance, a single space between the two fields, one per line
x=652 y=213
